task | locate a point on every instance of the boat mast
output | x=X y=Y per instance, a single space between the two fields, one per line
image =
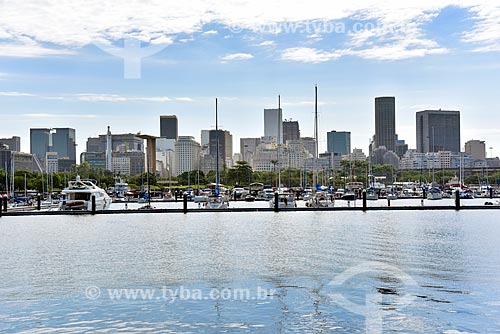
x=216 y=150
x=278 y=141
x=315 y=173
x=12 y=174
x=6 y=178
x=147 y=180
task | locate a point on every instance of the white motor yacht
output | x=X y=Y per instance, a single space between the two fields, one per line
x=284 y=201
x=78 y=196
x=216 y=202
x=321 y=200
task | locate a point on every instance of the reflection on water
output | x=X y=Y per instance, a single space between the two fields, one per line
x=47 y=263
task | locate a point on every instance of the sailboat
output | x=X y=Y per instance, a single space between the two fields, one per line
x=371 y=192
x=286 y=199
x=434 y=192
x=216 y=201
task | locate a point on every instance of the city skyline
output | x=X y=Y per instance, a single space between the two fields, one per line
x=428 y=55
x=323 y=144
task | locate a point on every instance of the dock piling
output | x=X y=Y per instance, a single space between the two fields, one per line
x=185 y=204
x=93 y=205
x=276 y=202
x=364 y=200
x=457 y=200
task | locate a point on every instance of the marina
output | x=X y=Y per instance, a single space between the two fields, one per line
x=217 y=204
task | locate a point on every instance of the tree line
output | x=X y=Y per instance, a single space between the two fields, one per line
x=240 y=175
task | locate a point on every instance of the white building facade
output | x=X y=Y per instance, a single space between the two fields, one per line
x=187 y=155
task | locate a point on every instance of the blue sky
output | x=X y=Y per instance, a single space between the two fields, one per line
x=57 y=67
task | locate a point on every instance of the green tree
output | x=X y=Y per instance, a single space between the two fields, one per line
x=192 y=178
x=239 y=174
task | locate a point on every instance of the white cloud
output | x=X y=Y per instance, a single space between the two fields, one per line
x=121 y=98
x=267 y=43
x=58 y=116
x=210 y=32
x=57 y=28
x=184 y=99
x=315 y=37
x=16 y=94
x=307 y=103
x=395 y=52
x=486 y=32
x=309 y=55
x=101 y=98
x=93 y=97
x=31 y=51
x=236 y=56
x=186 y=40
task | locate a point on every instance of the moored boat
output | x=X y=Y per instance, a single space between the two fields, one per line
x=284 y=201
x=434 y=194
x=371 y=195
x=216 y=202
x=78 y=196
x=321 y=200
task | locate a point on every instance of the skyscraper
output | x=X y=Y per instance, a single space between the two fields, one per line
x=205 y=137
x=438 y=130
x=339 y=143
x=309 y=144
x=248 y=147
x=291 y=130
x=225 y=145
x=60 y=140
x=169 y=127
x=273 y=126
x=187 y=155
x=13 y=143
x=39 y=143
x=385 y=123
x=476 y=148
x=63 y=142
x=101 y=150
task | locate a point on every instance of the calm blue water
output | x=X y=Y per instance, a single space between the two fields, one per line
x=404 y=272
